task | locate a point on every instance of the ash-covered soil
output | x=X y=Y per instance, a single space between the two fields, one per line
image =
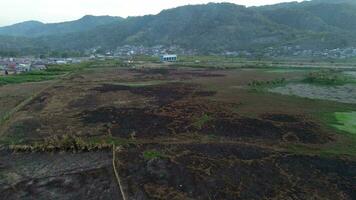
x=171 y=72
x=57 y=176
x=226 y=171
x=179 y=108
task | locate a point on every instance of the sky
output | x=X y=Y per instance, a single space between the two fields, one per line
x=49 y=11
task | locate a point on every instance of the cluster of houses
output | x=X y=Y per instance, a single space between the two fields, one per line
x=128 y=51
x=298 y=51
x=27 y=64
x=20 y=65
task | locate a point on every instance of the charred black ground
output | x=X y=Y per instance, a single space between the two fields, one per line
x=179 y=108
x=178 y=133
x=232 y=172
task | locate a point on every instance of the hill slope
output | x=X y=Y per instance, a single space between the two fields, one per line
x=207 y=28
x=36 y=29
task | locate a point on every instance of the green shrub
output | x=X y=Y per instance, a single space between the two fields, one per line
x=275 y=82
x=148 y=155
x=327 y=77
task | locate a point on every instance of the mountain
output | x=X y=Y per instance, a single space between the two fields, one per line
x=314 y=16
x=207 y=28
x=212 y=27
x=37 y=29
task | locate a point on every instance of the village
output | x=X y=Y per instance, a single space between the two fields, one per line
x=9 y=66
x=27 y=64
x=16 y=65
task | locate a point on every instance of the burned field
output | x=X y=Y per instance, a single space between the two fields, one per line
x=178 y=133
x=178 y=108
x=61 y=176
x=225 y=171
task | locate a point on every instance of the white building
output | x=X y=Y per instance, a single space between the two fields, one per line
x=38 y=67
x=61 y=62
x=168 y=58
x=23 y=67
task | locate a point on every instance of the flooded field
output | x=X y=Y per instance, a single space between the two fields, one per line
x=343 y=94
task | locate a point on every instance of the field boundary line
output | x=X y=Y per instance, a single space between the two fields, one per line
x=118 y=179
x=9 y=114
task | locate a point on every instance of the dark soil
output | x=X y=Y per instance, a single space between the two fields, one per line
x=280 y=118
x=163 y=94
x=24 y=130
x=88 y=102
x=243 y=127
x=306 y=132
x=57 y=176
x=233 y=172
x=180 y=116
x=129 y=122
x=153 y=71
x=169 y=73
x=68 y=186
x=296 y=130
x=38 y=103
x=199 y=148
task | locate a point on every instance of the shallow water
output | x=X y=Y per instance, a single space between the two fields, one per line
x=351 y=74
x=343 y=94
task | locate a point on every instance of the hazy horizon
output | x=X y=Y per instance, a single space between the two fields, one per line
x=17 y=11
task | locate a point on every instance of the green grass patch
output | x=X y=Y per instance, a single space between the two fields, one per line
x=51 y=73
x=25 y=77
x=211 y=58
x=328 y=77
x=345 y=121
x=288 y=70
x=55 y=71
x=152 y=154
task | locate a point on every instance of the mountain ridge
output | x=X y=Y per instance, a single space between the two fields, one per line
x=36 y=28
x=213 y=28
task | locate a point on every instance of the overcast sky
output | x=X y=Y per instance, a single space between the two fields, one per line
x=14 y=11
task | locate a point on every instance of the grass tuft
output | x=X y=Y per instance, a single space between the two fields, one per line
x=152 y=154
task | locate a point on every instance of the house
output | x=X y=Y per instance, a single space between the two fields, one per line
x=168 y=58
x=61 y=62
x=38 y=67
x=11 y=67
x=23 y=68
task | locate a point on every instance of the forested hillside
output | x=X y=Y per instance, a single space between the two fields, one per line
x=207 y=28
